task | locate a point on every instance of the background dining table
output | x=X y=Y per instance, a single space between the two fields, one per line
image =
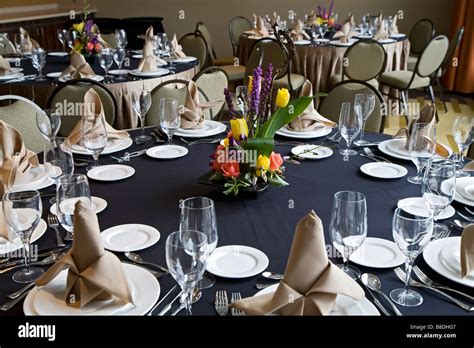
x=151 y=196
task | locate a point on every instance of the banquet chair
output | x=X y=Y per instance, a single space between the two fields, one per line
x=237 y=26
x=212 y=81
x=21 y=114
x=172 y=89
x=366 y=60
x=110 y=39
x=73 y=91
x=346 y=91
x=6 y=46
x=470 y=152
x=420 y=35
x=194 y=45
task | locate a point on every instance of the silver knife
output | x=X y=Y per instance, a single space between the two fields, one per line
x=162 y=299
x=168 y=306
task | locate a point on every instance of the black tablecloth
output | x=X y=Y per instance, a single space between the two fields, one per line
x=151 y=197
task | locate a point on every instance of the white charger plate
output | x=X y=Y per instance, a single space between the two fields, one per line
x=302 y=42
x=420 y=202
x=98 y=205
x=447 y=185
x=16 y=244
x=130 y=237
x=46 y=182
x=11 y=76
x=210 y=128
x=111 y=172
x=49 y=299
x=113 y=145
x=465 y=187
x=344 y=304
x=236 y=261
x=97 y=78
x=378 y=253
x=33 y=177
x=396 y=148
x=167 y=151
x=435 y=256
x=383 y=170
x=117 y=72
x=183 y=60
x=386 y=41
x=398 y=36
x=317 y=133
x=137 y=56
x=58 y=54
x=317 y=152
x=158 y=72
x=342 y=44
x=54 y=75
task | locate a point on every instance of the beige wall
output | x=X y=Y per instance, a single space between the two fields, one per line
x=217 y=13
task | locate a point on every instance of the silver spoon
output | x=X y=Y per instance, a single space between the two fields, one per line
x=271 y=275
x=138 y=259
x=460 y=224
x=373 y=283
x=195 y=297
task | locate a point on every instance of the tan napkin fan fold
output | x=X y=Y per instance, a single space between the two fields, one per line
x=275 y=19
x=93 y=273
x=381 y=33
x=149 y=62
x=192 y=114
x=177 y=48
x=310 y=119
x=93 y=106
x=298 y=32
x=469 y=167
x=5 y=68
x=32 y=44
x=260 y=28
x=467 y=251
x=78 y=67
x=350 y=20
x=345 y=34
x=393 y=26
x=311 y=282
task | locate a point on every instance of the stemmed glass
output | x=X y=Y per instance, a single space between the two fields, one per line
x=315 y=33
x=242 y=99
x=48 y=122
x=58 y=160
x=22 y=212
x=119 y=57
x=94 y=136
x=72 y=36
x=170 y=120
x=70 y=189
x=62 y=37
x=198 y=213
x=20 y=43
x=436 y=193
x=141 y=105
x=156 y=45
x=169 y=51
x=364 y=105
x=323 y=29
x=106 y=60
x=121 y=37
x=38 y=59
x=412 y=228
x=462 y=131
x=422 y=148
x=186 y=258
x=349 y=127
x=348 y=226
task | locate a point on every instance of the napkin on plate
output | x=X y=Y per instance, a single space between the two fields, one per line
x=93 y=105
x=192 y=114
x=393 y=27
x=78 y=68
x=177 y=48
x=467 y=251
x=275 y=19
x=5 y=68
x=150 y=61
x=469 y=167
x=93 y=273
x=311 y=282
x=350 y=20
x=381 y=33
x=31 y=42
x=345 y=34
x=260 y=28
x=310 y=119
x=298 y=33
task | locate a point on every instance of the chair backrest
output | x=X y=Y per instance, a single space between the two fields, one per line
x=73 y=92
x=21 y=114
x=264 y=52
x=470 y=152
x=420 y=35
x=110 y=39
x=212 y=82
x=237 y=26
x=171 y=89
x=194 y=45
x=453 y=45
x=202 y=29
x=432 y=56
x=364 y=60
x=6 y=46
x=346 y=91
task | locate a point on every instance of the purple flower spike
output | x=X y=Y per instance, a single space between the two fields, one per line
x=230 y=105
x=266 y=92
x=255 y=95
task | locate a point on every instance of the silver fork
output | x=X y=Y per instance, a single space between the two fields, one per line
x=200 y=141
x=402 y=276
x=236 y=297
x=469 y=210
x=369 y=153
x=221 y=304
x=53 y=223
x=440 y=235
x=427 y=281
x=465 y=217
x=9 y=305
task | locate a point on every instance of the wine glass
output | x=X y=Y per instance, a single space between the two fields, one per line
x=315 y=33
x=156 y=45
x=70 y=189
x=164 y=40
x=437 y=195
x=348 y=226
x=121 y=37
x=186 y=258
x=323 y=29
x=72 y=37
x=20 y=43
x=169 y=52
x=48 y=122
x=422 y=148
x=349 y=127
x=462 y=131
x=119 y=57
x=412 y=228
x=38 y=59
x=242 y=99
x=141 y=105
x=94 y=136
x=62 y=37
x=170 y=119
x=364 y=105
x=198 y=213
x=22 y=212
x=106 y=60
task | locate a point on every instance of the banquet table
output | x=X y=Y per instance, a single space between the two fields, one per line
x=267 y=223
x=123 y=90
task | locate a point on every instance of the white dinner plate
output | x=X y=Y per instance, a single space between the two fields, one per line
x=342 y=44
x=317 y=133
x=117 y=72
x=344 y=304
x=113 y=145
x=167 y=151
x=378 y=253
x=58 y=54
x=49 y=299
x=383 y=170
x=210 y=128
x=396 y=148
x=16 y=244
x=98 y=205
x=16 y=70
x=465 y=187
x=236 y=261
x=97 y=78
x=130 y=237
x=446 y=187
x=158 y=72
x=137 y=56
x=302 y=42
x=138 y=51
x=11 y=76
x=420 y=202
x=386 y=41
x=54 y=75
x=398 y=36
x=33 y=177
x=46 y=182
x=111 y=172
x=437 y=257
x=312 y=151
x=183 y=60
x=322 y=41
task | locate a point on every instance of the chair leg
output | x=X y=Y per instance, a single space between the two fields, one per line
x=404 y=95
x=441 y=94
x=431 y=94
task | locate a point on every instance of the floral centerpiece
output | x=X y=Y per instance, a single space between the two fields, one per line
x=86 y=35
x=323 y=16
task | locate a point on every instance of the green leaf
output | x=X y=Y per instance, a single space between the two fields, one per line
x=276 y=180
x=284 y=116
x=263 y=146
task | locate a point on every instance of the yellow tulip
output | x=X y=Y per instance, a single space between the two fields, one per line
x=78 y=27
x=239 y=128
x=283 y=97
x=318 y=20
x=226 y=142
x=263 y=163
x=250 y=85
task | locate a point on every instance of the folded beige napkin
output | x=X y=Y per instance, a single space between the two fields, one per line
x=260 y=28
x=393 y=26
x=311 y=282
x=310 y=119
x=381 y=33
x=78 y=67
x=5 y=68
x=150 y=61
x=177 y=48
x=467 y=251
x=93 y=273
x=469 y=167
x=93 y=106
x=345 y=34
x=350 y=20
x=275 y=19
x=32 y=44
x=298 y=32
x=192 y=114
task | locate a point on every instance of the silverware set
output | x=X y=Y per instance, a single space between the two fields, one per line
x=127 y=155
x=370 y=155
x=222 y=304
x=53 y=223
x=135 y=258
x=200 y=141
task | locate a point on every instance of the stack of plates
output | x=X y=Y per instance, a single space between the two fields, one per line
x=35 y=179
x=317 y=133
x=343 y=44
x=184 y=60
x=464 y=190
x=210 y=128
x=13 y=75
x=97 y=78
x=158 y=72
x=113 y=145
x=302 y=42
x=396 y=147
